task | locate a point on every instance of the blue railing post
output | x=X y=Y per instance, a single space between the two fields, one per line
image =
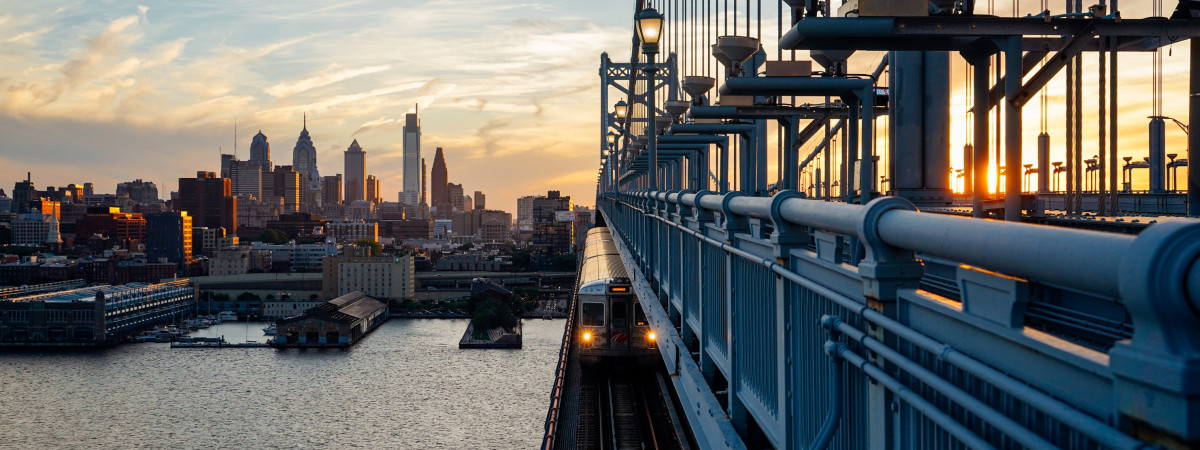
x=786 y=237
x=1157 y=373
x=733 y=224
x=884 y=271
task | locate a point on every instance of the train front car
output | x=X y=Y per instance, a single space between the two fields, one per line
x=611 y=322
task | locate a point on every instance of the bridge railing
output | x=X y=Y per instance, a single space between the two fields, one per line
x=864 y=325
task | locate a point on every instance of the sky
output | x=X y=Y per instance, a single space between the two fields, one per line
x=111 y=91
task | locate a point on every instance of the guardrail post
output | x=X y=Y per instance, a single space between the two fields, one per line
x=732 y=225
x=701 y=219
x=785 y=238
x=1157 y=373
x=884 y=271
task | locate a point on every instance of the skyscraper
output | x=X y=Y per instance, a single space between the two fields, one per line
x=479 y=200
x=169 y=236
x=455 y=192
x=23 y=193
x=208 y=200
x=356 y=172
x=412 y=157
x=331 y=190
x=373 y=189
x=260 y=152
x=304 y=161
x=438 y=189
x=286 y=183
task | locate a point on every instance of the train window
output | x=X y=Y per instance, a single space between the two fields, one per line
x=620 y=313
x=592 y=315
x=639 y=316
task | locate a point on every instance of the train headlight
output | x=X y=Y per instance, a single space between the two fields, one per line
x=587 y=337
x=650 y=336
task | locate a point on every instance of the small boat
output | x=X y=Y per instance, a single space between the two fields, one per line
x=269 y=330
x=229 y=316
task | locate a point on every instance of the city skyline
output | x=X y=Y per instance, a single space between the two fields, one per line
x=152 y=91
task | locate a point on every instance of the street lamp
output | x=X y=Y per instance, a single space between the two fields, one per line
x=621 y=109
x=649 y=29
x=1058 y=168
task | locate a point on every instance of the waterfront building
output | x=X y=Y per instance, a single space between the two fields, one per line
x=169 y=237
x=439 y=203
x=356 y=172
x=209 y=201
x=413 y=163
x=385 y=277
x=260 y=152
x=339 y=322
x=92 y=316
x=553 y=232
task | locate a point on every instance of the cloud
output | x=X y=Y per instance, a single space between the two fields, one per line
x=291 y=88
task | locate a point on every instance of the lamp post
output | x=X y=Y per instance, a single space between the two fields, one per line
x=1058 y=168
x=649 y=29
x=621 y=109
x=1028 y=170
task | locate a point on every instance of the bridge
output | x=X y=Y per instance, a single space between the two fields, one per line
x=841 y=292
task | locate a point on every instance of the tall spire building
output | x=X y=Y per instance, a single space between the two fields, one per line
x=438 y=185
x=356 y=173
x=412 y=159
x=304 y=162
x=260 y=152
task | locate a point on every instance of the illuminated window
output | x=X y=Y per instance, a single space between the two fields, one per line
x=639 y=316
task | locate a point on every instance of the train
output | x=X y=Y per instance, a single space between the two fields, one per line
x=609 y=321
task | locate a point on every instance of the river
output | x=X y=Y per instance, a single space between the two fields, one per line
x=407 y=385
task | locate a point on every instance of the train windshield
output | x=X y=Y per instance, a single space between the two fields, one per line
x=592 y=315
x=620 y=312
x=639 y=316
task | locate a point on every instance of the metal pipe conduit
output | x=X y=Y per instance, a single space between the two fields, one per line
x=756 y=207
x=912 y=398
x=941 y=386
x=798 y=86
x=1079 y=259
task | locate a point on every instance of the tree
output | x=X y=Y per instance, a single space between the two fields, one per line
x=564 y=262
x=273 y=236
x=248 y=297
x=374 y=247
x=493 y=313
x=522 y=259
x=466 y=247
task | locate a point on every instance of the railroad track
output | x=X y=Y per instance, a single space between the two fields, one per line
x=625 y=410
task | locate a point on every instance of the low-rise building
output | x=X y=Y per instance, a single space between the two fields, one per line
x=350 y=232
x=287 y=307
x=340 y=322
x=386 y=277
